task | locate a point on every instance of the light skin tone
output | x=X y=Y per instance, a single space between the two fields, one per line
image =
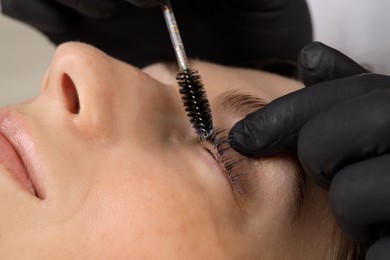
x=122 y=176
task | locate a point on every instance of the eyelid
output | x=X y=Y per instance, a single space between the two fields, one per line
x=230 y=165
x=208 y=146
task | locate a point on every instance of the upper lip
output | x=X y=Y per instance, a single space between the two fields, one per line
x=16 y=132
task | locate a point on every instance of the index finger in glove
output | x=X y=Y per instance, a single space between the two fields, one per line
x=275 y=128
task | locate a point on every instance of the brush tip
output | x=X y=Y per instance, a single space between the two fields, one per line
x=195 y=102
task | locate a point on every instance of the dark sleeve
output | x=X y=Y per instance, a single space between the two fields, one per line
x=223 y=31
x=245 y=32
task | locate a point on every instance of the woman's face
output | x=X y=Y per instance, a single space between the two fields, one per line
x=117 y=171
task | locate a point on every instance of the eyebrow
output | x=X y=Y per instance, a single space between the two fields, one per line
x=239 y=103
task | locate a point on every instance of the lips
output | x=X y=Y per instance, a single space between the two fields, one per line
x=18 y=154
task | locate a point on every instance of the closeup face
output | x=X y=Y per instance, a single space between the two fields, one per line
x=116 y=170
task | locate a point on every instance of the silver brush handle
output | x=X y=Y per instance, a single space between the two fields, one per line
x=175 y=35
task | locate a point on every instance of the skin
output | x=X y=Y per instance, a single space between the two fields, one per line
x=124 y=178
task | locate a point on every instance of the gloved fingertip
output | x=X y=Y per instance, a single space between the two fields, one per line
x=310 y=55
x=236 y=137
x=234 y=142
x=318 y=62
x=245 y=139
x=310 y=61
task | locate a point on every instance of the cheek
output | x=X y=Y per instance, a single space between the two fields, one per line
x=146 y=216
x=271 y=211
x=279 y=182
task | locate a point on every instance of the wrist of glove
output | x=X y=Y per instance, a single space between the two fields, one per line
x=340 y=127
x=221 y=31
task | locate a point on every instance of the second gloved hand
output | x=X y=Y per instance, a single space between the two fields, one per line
x=340 y=127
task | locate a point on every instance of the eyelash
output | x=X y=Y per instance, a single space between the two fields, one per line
x=220 y=146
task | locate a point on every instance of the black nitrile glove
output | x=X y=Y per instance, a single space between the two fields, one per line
x=223 y=31
x=340 y=127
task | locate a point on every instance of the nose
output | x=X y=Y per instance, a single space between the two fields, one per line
x=99 y=95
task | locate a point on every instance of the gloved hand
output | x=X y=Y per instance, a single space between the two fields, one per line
x=223 y=31
x=340 y=127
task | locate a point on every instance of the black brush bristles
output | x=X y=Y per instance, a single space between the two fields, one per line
x=195 y=102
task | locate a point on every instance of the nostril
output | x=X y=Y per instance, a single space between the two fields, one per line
x=70 y=94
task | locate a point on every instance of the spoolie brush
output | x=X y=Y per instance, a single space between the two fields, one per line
x=192 y=91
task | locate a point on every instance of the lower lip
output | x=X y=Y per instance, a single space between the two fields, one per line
x=10 y=160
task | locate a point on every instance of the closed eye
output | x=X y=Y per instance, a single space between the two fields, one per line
x=218 y=147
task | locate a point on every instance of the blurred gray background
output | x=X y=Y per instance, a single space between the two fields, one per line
x=359 y=28
x=24 y=56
